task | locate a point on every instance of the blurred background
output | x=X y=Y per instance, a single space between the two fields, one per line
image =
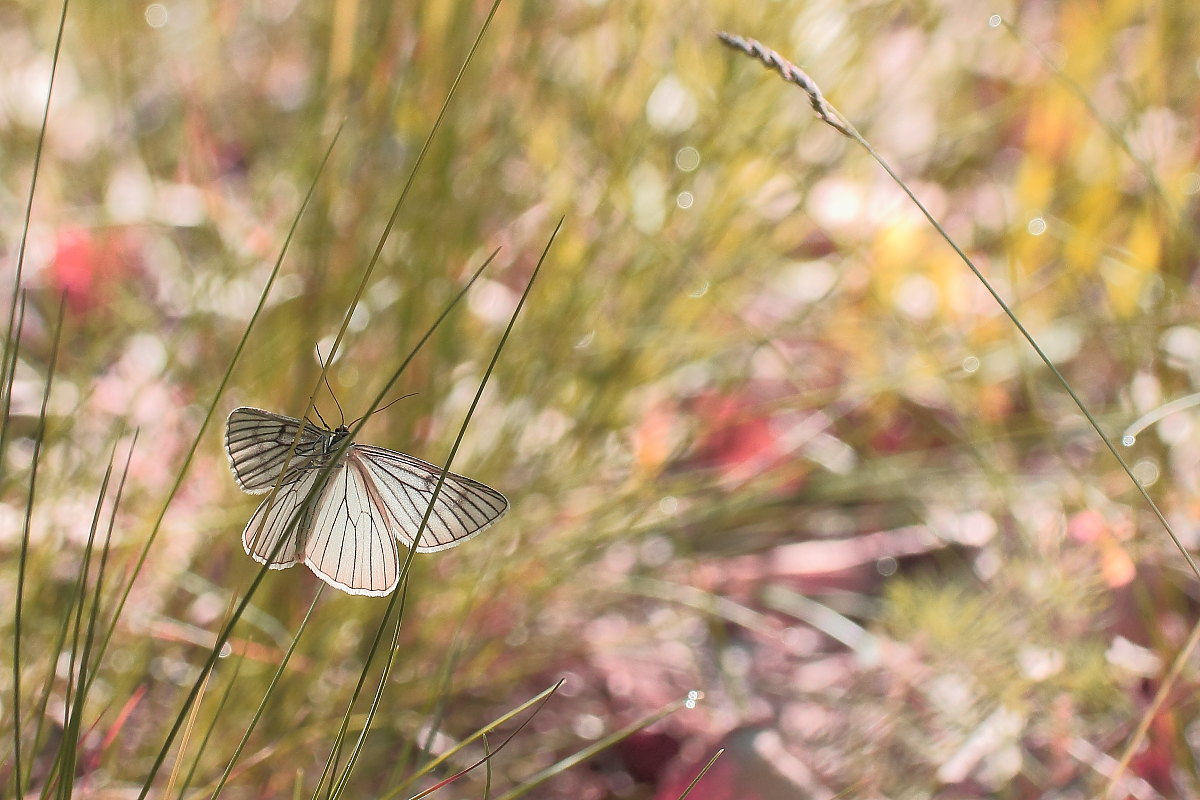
x=764 y=436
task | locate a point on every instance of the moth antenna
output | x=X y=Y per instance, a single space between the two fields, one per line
x=389 y=405
x=325 y=377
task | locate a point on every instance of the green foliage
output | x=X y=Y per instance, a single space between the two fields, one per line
x=764 y=435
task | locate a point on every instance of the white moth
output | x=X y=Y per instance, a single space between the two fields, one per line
x=372 y=499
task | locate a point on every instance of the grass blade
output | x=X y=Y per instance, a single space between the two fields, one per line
x=23 y=559
x=258 y=712
x=537 y=699
x=486 y=761
x=10 y=352
x=237 y=353
x=702 y=773
x=600 y=746
x=793 y=74
x=437 y=491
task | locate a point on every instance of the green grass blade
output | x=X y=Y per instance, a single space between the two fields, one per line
x=237 y=353
x=212 y=726
x=831 y=116
x=462 y=431
x=98 y=594
x=588 y=752
x=702 y=773
x=10 y=352
x=395 y=215
x=538 y=699
x=75 y=690
x=541 y=700
x=23 y=559
x=258 y=712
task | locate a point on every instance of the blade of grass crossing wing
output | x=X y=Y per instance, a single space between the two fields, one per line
x=23 y=559
x=358 y=294
x=379 y=398
x=178 y=482
x=437 y=491
x=187 y=461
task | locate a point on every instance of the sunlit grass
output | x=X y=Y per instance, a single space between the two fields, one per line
x=764 y=437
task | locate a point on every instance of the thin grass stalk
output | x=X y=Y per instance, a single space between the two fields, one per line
x=197 y=687
x=75 y=694
x=447 y=672
x=187 y=735
x=258 y=712
x=774 y=61
x=539 y=698
x=793 y=74
x=86 y=677
x=598 y=747
x=408 y=184
x=1143 y=726
x=10 y=352
x=212 y=726
x=237 y=353
x=10 y=375
x=23 y=559
x=337 y=782
x=488 y=753
x=487 y=770
x=330 y=769
x=436 y=709
x=462 y=431
x=702 y=773
x=409 y=746
x=104 y=553
x=1117 y=136
x=63 y=628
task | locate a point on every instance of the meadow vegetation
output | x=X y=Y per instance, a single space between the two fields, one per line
x=786 y=481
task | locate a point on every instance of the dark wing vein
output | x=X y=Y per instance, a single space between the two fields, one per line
x=270 y=523
x=258 y=441
x=405 y=484
x=350 y=546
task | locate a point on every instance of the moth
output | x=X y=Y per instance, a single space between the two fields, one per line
x=372 y=502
